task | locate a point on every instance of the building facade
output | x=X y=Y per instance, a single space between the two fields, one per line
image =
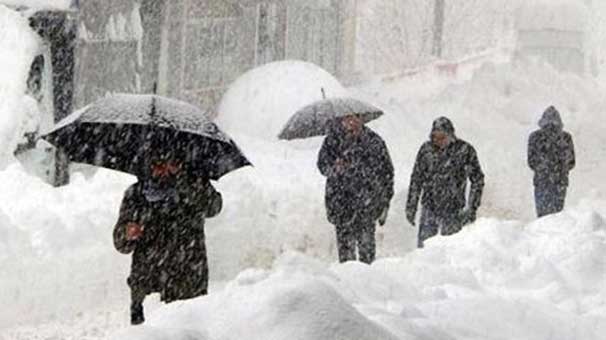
x=555 y=33
x=193 y=49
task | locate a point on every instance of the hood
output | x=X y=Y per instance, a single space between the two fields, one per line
x=443 y=124
x=551 y=117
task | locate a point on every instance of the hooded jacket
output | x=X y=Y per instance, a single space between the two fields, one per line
x=551 y=151
x=439 y=178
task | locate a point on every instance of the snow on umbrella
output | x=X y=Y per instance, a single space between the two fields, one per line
x=123 y=131
x=315 y=119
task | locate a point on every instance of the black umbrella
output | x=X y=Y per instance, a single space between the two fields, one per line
x=125 y=132
x=315 y=119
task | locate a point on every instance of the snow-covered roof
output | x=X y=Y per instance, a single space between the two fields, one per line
x=39 y=4
x=562 y=15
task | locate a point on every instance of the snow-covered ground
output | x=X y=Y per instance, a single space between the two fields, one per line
x=494 y=280
x=271 y=251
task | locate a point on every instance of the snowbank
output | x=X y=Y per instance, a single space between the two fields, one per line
x=494 y=280
x=260 y=102
x=19 y=45
x=56 y=255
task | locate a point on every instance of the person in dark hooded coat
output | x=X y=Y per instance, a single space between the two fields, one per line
x=161 y=223
x=551 y=157
x=359 y=186
x=439 y=179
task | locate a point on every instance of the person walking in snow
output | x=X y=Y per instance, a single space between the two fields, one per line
x=161 y=222
x=359 y=185
x=439 y=179
x=551 y=157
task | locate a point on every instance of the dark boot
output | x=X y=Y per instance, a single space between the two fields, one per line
x=136 y=314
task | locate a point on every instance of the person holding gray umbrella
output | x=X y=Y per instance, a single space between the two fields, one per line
x=358 y=169
x=174 y=149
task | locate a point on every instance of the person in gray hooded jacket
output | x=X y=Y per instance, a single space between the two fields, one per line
x=439 y=179
x=551 y=157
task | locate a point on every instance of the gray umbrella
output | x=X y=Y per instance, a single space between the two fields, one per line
x=315 y=119
x=124 y=131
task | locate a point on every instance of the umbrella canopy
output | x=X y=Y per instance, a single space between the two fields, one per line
x=315 y=119
x=125 y=132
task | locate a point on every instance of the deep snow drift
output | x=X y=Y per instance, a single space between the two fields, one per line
x=18 y=44
x=494 y=280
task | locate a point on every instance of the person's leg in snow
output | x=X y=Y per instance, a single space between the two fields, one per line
x=428 y=226
x=451 y=224
x=560 y=197
x=549 y=199
x=366 y=242
x=346 y=243
x=136 y=307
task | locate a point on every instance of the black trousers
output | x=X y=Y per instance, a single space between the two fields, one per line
x=358 y=234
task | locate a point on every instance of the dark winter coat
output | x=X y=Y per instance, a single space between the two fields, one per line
x=170 y=257
x=365 y=186
x=439 y=177
x=551 y=151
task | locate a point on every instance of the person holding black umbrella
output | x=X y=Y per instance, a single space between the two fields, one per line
x=174 y=149
x=359 y=185
x=439 y=179
x=161 y=223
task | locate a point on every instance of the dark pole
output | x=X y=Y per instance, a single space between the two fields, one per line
x=438 y=28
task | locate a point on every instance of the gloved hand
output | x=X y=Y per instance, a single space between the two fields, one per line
x=383 y=218
x=410 y=216
x=134 y=231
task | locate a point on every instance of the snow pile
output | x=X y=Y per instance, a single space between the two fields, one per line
x=494 y=280
x=262 y=100
x=19 y=44
x=56 y=253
